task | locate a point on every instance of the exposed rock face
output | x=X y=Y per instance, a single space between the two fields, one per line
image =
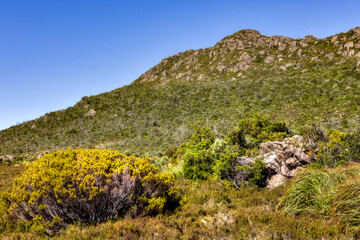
x=276 y=180
x=91 y=112
x=7 y=159
x=245 y=161
x=284 y=158
x=269 y=59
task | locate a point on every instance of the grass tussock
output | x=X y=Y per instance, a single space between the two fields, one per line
x=347 y=201
x=332 y=193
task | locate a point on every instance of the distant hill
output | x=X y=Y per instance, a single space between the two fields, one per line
x=300 y=81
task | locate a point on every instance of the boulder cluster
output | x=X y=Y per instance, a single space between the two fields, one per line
x=283 y=159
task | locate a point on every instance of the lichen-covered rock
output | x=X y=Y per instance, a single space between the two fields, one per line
x=245 y=161
x=283 y=159
x=7 y=159
x=269 y=59
x=276 y=181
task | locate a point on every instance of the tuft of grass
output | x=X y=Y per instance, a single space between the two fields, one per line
x=312 y=191
x=347 y=202
x=324 y=192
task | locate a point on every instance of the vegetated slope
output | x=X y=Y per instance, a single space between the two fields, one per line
x=301 y=81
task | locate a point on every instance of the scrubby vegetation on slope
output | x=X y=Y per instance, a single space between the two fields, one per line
x=189 y=113
x=149 y=116
x=320 y=202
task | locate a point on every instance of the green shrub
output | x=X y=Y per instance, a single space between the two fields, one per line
x=236 y=136
x=89 y=186
x=251 y=132
x=334 y=151
x=257 y=173
x=198 y=165
x=354 y=146
x=201 y=139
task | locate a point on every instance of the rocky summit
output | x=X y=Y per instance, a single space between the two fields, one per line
x=248 y=49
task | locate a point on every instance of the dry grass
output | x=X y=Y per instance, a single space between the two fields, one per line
x=7 y=175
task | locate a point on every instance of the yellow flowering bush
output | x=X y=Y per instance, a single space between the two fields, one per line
x=90 y=186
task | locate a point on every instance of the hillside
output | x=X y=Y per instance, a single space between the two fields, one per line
x=300 y=81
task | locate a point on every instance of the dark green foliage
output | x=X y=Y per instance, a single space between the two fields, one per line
x=354 y=146
x=201 y=139
x=198 y=165
x=205 y=157
x=255 y=176
x=260 y=129
x=257 y=173
x=237 y=137
x=171 y=152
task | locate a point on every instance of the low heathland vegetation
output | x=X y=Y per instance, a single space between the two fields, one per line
x=192 y=191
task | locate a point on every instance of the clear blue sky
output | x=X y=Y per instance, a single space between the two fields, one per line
x=52 y=52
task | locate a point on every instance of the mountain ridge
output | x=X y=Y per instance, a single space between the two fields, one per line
x=248 y=38
x=303 y=81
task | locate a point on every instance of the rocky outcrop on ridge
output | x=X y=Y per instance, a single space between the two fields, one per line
x=248 y=49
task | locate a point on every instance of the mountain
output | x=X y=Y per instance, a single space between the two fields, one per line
x=300 y=81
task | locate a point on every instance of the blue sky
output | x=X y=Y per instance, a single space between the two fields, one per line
x=52 y=53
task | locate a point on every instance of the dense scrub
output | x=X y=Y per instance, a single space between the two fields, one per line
x=88 y=186
x=149 y=118
x=321 y=202
x=206 y=157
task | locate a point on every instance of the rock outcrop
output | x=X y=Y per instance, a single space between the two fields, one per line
x=91 y=112
x=248 y=49
x=283 y=159
x=7 y=159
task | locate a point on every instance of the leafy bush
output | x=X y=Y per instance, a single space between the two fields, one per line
x=198 y=165
x=334 y=151
x=257 y=173
x=201 y=139
x=354 y=146
x=205 y=157
x=251 y=132
x=253 y=175
x=89 y=186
